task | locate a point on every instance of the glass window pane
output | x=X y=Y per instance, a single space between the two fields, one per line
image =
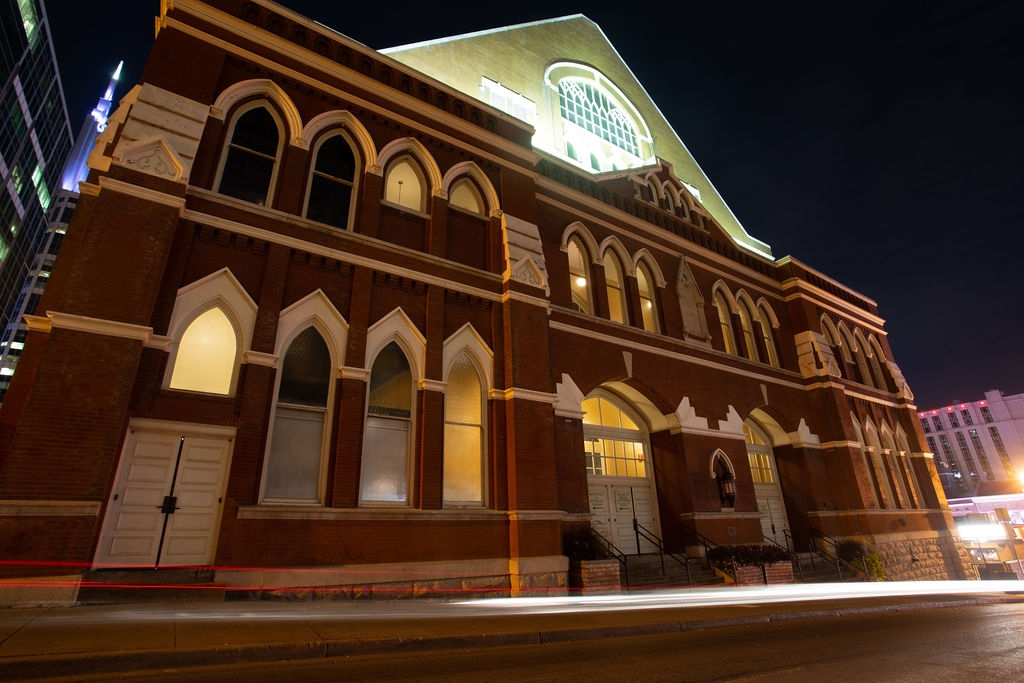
x=306 y=374
x=293 y=468
x=463 y=473
x=391 y=384
x=385 y=472
x=205 y=360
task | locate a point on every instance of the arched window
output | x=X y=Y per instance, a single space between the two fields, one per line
x=724 y=322
x=747 y=326
x=877 y=359
x=205 y=358
x=406 y=184
x=648 y=305
x=298 y=436
x=465 y=195
x=614 y=443
x=385 y=471
x=463 y=435
x=885 y=492
x=579 y=276
x=332 y=182
x=860 y=352
x=767 y=337
x=250 y=159
x=615 y=286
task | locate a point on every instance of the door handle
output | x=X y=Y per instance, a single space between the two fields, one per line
x=170 y=504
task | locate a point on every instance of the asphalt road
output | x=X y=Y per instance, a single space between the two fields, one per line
x=970 y=643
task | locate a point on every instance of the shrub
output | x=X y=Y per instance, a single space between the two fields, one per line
x=861 y=557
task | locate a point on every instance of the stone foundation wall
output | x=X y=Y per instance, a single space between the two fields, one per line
x=924 y=558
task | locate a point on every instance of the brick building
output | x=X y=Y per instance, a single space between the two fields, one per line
x=409 y=317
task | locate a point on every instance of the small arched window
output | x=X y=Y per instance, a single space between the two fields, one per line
x=205 y=358
x=386 y=447
x=299 y=426
x=747 y=326
x=579 y=276
x=768 y=338
x=724 y=322
x=405 y=184
x=463 y=435
x=250 y=158
x=465 y=195
x=648 y=304
x=332 y=182
x=615 y=286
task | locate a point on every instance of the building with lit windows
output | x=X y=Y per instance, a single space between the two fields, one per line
x=63 y=202
x=35 y=140
x=333 y=317
x=978 y=446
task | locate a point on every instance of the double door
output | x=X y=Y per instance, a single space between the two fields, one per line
x=615 y=507
x=165 y=507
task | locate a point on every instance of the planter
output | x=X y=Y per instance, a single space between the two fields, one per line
x=595 y=576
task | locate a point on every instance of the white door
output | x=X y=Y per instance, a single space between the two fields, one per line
x=773 y=512
x=165 y=507
x=614 y=508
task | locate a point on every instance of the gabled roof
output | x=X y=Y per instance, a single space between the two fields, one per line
x=519 y=57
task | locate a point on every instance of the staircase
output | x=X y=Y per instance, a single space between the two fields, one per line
x=813 y=568
x=122 y=586
x=645 y=573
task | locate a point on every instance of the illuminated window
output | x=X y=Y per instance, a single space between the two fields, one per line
x=29 y=18
x=747 y=326
x=986 y=414
x=332 y=183
x=205 y=359
x=298 y=436
x=385 y=471
x=997 y=440
x=463 y=435
x=589 y=107
x=250 y=159
x=615 y=287
x=724 y=322
x=465 y=195
x=614 y=445
x=767 y=338
x=759 y=455
x=508 y=101
x=405 y=184
x=648 y=305
x=579 y=276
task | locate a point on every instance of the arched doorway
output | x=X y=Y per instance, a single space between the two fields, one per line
x=617 y=453
x=768 y=493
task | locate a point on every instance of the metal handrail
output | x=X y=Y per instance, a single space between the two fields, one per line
x=793 y=559
x=615 y=552
x=708 y=546
x=640 y=530
x=814 y=548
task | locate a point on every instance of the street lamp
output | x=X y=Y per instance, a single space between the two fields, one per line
x=727 y=486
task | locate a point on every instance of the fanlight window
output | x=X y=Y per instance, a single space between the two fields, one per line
x=385 y=472
x=205 y=360
x=463 y=435
x=251 y=156
x=300 y=417
x=613 y=443
x=406 y=184
x=590 y=108
x=330 y=188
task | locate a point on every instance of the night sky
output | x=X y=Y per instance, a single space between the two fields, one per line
x=878 y=142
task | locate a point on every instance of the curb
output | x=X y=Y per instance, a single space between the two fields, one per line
x=97 y=663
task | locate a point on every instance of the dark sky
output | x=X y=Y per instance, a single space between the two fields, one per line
x=878 y=142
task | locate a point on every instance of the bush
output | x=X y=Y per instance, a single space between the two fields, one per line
x=861 y=557
x=747 y=555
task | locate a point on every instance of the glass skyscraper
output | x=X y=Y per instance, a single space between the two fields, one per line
x=35 y=140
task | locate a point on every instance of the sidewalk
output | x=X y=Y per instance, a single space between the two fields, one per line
x=58 y=641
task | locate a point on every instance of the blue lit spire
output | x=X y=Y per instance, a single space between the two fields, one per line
x=76 y=169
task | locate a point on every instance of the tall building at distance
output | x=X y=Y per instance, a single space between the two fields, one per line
x=35 y=140
x=979 y=445
x=63 y=202
x=408 y=319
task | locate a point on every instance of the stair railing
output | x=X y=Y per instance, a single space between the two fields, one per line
x=825 y=547
x=793 y=559
x=708 y=545
x=643 y=532
x=615 y=552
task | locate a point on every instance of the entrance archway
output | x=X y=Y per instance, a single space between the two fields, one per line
x=767 y=491
x=619 y=473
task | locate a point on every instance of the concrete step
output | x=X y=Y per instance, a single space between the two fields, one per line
x=647 y=571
